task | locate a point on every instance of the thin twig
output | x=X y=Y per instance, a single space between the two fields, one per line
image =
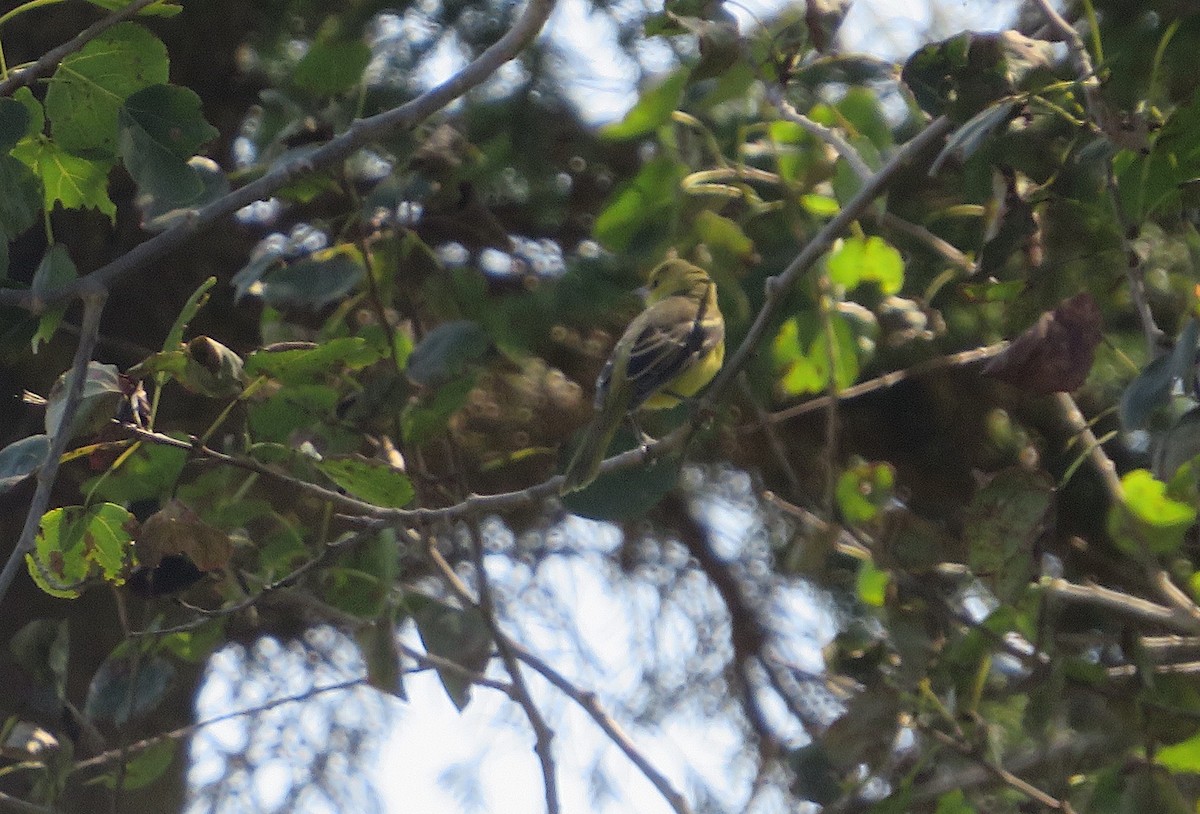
x=195 y=445
x=778 y=287
x=543 y=734
x=778 y=449
x=1127 y=605
x=587 y=700
x=1002 y=774
x=947 y=250
x=590 y=704
x=15 y=805
x=114 y=754
x=358 y=135
x=887 y=380
x=820 y=132
x=49 y=60
x=1100 y=115
x=93 y=307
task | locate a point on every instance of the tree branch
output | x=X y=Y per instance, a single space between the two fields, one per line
x=777 y=287
x=359 y=134
x=93 y=307
x=543 y=734
x=49 y=61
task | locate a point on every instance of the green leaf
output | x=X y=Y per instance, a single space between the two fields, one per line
x=73 y=543
x=14 y=123
x=162 y=8
x=381 y=652
x=56 y=270
x=872 y=585
x=89 y=86
x=146 y=765
x=1180 y=445
x=373 y=481
x=170 y=117
x=723 y=237
x=20 y=459
x=462 y=636
x=814 y=776
x=1151 y=388
x=125 y=688
x=860 y=260
x=313 y=282
x=863 y=490
x=653 y=109
x=425 y=419
x=150 y=472
x=332 y=66
x=102 y=392
x=954 y=802
x=1003 y=522
x=447 y=352
x=363 y=579
x=639 y=209
x=1148 y=519
x=309 y=365
x=1181 y=757
x=37 y=115
x=194 y=646
x=67 y=179
x=967 y=139
x=192 y=307
x=626 y=494
x=290 y=409
x=20 y=197
x=41 y=647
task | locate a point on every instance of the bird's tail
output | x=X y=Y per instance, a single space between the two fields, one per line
x=585 y=463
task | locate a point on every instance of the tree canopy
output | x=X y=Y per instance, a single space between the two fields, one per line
x=307 y=303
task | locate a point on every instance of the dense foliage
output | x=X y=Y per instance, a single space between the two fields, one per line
x=314 y=335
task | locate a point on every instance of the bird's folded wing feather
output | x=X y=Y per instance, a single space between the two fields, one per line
x=672 y=340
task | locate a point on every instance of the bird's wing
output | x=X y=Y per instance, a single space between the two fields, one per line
x=673 y=335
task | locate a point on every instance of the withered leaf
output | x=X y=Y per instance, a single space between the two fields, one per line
x=1055 y=354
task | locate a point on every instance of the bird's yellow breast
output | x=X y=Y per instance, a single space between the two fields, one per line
x=690 y=382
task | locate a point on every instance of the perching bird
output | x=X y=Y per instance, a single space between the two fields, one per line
x=668 y=353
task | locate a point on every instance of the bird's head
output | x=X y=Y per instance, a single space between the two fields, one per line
x=676 y=277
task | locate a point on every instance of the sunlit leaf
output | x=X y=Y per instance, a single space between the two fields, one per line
x=1148 y=518
x=653 y=109
x=67 y=179
x=859 y=260
x=371 y=480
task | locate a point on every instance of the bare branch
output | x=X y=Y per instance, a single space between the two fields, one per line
x=93 y=307
x=1127 y=605
x=591 y=705
x=820 y=132
x=587 y=700
x=967 y=357
x=543 y=734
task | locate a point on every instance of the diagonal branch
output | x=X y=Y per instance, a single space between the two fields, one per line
x=361 y=133
x=93 y=306
x=778 y=287
x=49 y=60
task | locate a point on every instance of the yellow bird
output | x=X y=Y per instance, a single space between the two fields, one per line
x=668 y=353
